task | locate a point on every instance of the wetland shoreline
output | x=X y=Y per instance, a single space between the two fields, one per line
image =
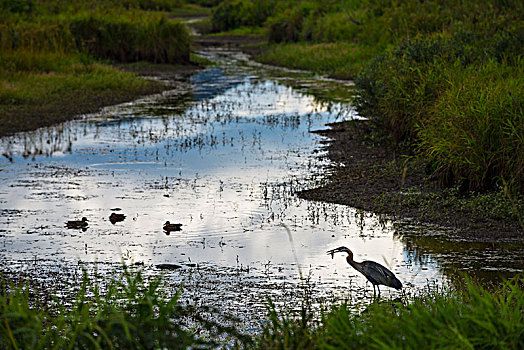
x=75 y=102
x=374 y=175
x=370 y=172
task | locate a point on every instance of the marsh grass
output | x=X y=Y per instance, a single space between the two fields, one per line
x=288 y=329
x=468 y=317
x=228 y=15
x=124 y=36
x=54 y=57
x=130 y=312
x=457 y=99
x=131 y=37
x=34 y=99
x=338 y=60
x=475 y=130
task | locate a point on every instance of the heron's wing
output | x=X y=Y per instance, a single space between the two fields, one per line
x=379 y=274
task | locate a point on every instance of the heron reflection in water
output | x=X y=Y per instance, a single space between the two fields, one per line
x=374 y=272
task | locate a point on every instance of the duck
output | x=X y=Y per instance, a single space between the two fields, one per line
x=172 y=227
x=77 y=224
x=114 y=218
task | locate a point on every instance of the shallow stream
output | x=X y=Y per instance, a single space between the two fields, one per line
x=223 y=158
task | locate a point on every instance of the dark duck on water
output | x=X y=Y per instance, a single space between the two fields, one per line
x=168 y=227
x=114 y=218
x=77 y=224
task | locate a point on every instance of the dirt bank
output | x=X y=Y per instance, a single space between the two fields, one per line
x=243 y=42
x=75 y=103
x=375 y=176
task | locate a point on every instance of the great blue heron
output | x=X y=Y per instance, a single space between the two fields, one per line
x=374 y=272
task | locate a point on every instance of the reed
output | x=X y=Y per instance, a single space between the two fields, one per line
x=131 y=313
x=130 y=38
x=338 y=60
x=469 y=317
x=458 y=99
x=234 y=14
x=475 y=130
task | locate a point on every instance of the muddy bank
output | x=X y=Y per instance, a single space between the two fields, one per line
x=59 y=109
x=165 y=72
x=374 y=176
x=246 y=43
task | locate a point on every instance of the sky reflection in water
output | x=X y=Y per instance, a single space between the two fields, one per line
x=226 y=168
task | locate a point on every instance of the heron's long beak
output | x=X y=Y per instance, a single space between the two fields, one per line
x=332 y=252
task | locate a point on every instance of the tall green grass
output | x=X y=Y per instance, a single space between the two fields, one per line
x=473 y=317
x=130 y=38
x=458 y=98
x=122 y=37
x=338 y=60
x=368 y=22
x=234 y=14
x=476 y=318
x=40 y=7
x=475 y=130
x=130 y=313
x=49 y=50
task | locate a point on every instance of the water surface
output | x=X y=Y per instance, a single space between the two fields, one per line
x=225 y=160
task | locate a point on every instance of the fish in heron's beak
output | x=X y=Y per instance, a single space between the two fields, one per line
x=336 y=250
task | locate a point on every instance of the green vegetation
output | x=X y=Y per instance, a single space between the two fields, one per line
x=51 y=54
x=131 y=38
x=326 y=26
x=35 y=99
x=338 y=60
x=442 y=76
x=204 y=3
x=242 y=31
x=238 y=13
x=130 y=313
x=103 y=31
x=471 y=318
x=458 y=99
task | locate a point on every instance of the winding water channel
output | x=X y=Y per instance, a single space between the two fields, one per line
x=225 y=159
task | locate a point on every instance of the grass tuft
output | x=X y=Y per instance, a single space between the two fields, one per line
x=49 y=53
x=472 y=317
x=130 y=313
x=338 y=60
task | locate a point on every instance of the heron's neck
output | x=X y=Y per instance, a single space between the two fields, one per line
x=352 y=262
